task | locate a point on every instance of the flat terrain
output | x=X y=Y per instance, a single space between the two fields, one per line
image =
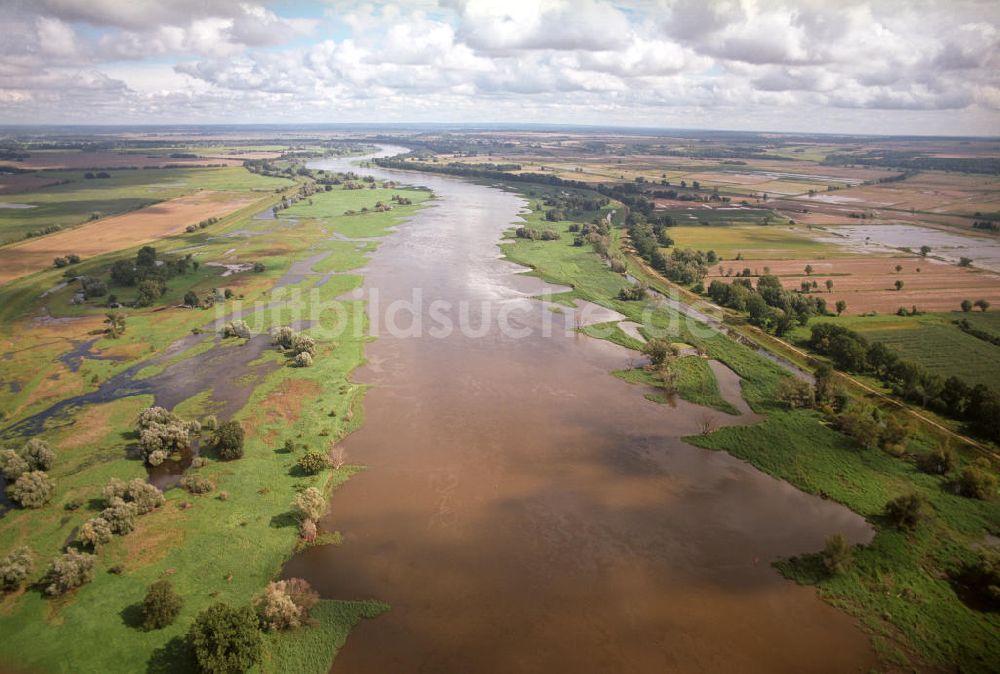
x=122 y=231
x=74 y=159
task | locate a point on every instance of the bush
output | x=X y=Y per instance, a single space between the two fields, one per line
x=196 y=484
x=941 y=461
x=226 y=640
x=12 y=466
x=906 y=511
x=285 y=604
x=978 y=481
x=795 y=393
x=228 y=440
x=210 y=422
x=120 y=516
x=983 y=578
x=236 y=329
x=38 y=454
x=658 y=350
x=160 y=433
x=69 y=572
x=837 y=555
x=94 y=533
x=32 y=490
x=303 y=360
x=15 y=568
x=143 y=495
x=161 y=605
x=309 y=504
x=313 y=462
x=191 y=298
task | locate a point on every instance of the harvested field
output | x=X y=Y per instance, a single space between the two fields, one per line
x=11 y=183
x=98 y=160
x=868 y=283
x=123 y=231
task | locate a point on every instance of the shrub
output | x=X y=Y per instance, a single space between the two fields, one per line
x=938 y=462
x=115 y=488
x=658 y=350
x=983 y=578
x=94 y=533
x=303 y=359
x=161 y=605
x=38 y=454
x=795 y=393
x=308 y=530
x=225 y=639
x=258 y=267
x=32 y=490
x=313 y=462
x=236 y=329
x=858 y=422
x=160 y=433
x=15 y=568
x=12 y=466
x=309 y=504
x=196 y=484
x=285 y=604
x=69 y=571
x=120 y=516
x=304 y=344
x=282 y=337
x=143 y=495
x=191 y=298
x=906 y=511
x=228 y=440
x=978 y=481
x=210 y=422
x=837 y=555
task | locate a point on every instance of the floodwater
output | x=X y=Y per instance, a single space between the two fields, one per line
x=982 y=250
x=524 y=511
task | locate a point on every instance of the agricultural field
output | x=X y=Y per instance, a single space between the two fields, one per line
x=221 y=546
x=47 y=160
x=74 y=199
x=753 y=243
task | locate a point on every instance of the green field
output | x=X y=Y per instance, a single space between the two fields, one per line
x=75 y=201
x=933 y=341
x=753 y=242
x=723 y=216
x=898 y=588
x=214 y=549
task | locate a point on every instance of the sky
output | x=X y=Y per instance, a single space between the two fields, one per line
x=844 y=66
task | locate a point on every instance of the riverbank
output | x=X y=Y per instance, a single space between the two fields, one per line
x=899 y=586
x=227 y=544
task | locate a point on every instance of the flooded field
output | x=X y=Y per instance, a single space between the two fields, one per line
x=525 y=511
x=984 y=251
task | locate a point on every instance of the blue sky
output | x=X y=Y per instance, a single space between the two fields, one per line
x=862 y=66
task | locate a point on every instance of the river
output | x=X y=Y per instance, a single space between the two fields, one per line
x=524 y=511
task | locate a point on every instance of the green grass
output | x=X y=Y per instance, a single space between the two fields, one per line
x=695 y=383
x=753 y=242
x=73 y=202
x=215 y=550
x=724 y=215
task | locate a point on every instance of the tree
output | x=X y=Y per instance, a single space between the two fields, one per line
x=226 y=640
x=658 y=350
x=938 y=462
x=906 y=511
x=120 y=516
x=15 y=568
x=829 y=285
x=162 y=432
x=303 y=359
x=309 y=504
x=966 y=306
x=12 y=465
x=238 y=329
x=150 y=290
x=983 y=577
x=313 y=462
x=161 y=605
x=196 y=484
x=899 y=268
x=285 y=604
x=841 y=306
x=858 y=422
x=899 y=285
x=228 y=440
x=146 y=257
x=894 y=434
x=809 y=269
x=924 y=250
x=69 y=571
x=115 y=322
x=837 y=555
x=795 y=393
x=94 y=533
x=32 y=490
x=978 y=481
x=191 y=298
x=38 y=454
x=982 y=304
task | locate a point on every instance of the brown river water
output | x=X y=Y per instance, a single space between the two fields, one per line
x=525 y=511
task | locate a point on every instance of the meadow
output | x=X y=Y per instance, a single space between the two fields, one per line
x=221 y=546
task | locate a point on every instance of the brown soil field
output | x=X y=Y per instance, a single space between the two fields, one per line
x=100 y=160
x=122 y=231
x=868 y=283
x=12 y=183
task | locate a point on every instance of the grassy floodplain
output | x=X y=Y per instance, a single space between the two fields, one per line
x=212 y=548
x=898 y=587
